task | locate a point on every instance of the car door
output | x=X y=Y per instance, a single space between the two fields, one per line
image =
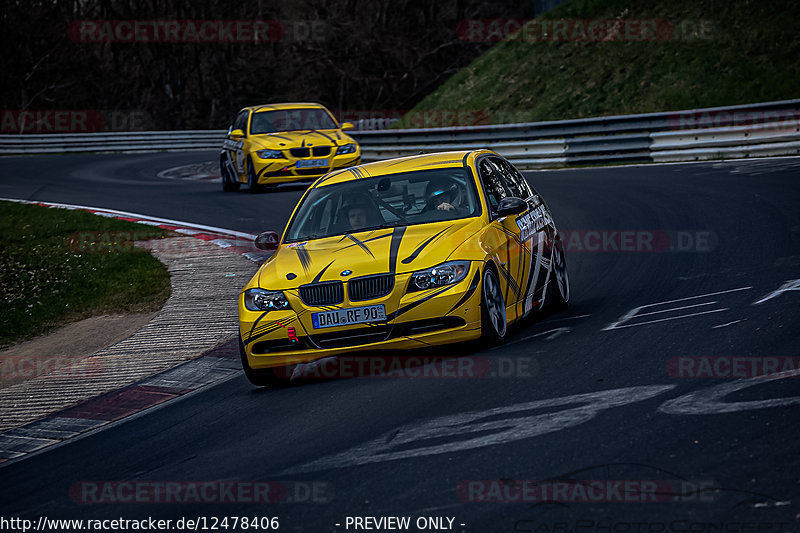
x=503 y=236
x=536 y=233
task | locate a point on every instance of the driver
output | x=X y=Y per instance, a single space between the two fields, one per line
x=443 y=195
x=357 y=216
x=359 y=212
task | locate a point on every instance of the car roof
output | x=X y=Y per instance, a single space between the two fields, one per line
x=285 y=105
x=401 y=164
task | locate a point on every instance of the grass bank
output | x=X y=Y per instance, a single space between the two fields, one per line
x=58 y=266
x=703 y=53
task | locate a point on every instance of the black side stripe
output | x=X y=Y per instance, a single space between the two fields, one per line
x=408 y=307
x=269 y=328
x=468 y=294
x=414 y=255
x=510 y=282
x=253 y=327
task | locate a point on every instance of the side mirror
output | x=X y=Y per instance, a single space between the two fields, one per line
x=236 y=133
x=268 y=241
x=511 y=206
x=347 y=126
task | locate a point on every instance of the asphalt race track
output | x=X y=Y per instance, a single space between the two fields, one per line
x=705 y=251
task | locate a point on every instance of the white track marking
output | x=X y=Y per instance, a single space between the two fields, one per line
x=467 y=431
x=728 y=324
x=666 y=319
x=791 y=285
x=635 y=312
x=710 y=401
x=676 y=309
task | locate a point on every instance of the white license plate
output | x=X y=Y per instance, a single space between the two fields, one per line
x=346 y=317
x=312 y=163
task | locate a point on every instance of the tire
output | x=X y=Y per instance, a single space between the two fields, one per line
x=228 y=183
x=494 y=326
x=252 y=181
x=266 y=376
x=559 y=280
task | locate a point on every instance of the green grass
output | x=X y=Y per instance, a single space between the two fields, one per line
x=58 y=266
x=750 y=54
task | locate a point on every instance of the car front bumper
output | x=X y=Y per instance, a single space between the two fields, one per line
x=414 y=320
x=274 y=171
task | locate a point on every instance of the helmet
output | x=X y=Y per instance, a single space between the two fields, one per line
x=441 y=187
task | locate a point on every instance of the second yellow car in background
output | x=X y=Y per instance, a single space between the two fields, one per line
x=280 y=143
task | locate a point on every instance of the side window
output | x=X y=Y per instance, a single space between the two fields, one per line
x=492 y=182
x=515 y=185
x=241 y=121
x=516 y=180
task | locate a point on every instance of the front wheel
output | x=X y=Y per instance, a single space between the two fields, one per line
x=559 y=279
x=493 y=309
x=252 y=179
x=263 y=377
x=228 y=183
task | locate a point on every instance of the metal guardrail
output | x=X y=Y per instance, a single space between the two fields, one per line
x=125 y=142
x=771 y=128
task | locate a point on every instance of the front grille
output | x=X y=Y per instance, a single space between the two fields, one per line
x=327 y=293
x=299 y=152
x=321 y=150
x=352 y=337
x=369 y=287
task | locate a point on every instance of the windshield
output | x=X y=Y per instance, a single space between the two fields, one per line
x=405 y=199
x=291 y=120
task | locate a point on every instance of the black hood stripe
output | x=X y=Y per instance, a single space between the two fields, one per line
x=360 y=244
x=419 y=249
x=304 y=257
x=321 y=272
x=364 y=241
x=394 y=247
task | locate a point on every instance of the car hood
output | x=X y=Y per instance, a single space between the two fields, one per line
x=402 y=249
x=293 y=139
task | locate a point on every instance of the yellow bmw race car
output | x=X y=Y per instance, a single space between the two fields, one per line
x=403 y=253
x=279 y=143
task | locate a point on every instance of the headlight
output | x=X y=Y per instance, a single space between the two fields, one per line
x=264 y=300
x=346 y=149
x=438 y=276
x=270 y=154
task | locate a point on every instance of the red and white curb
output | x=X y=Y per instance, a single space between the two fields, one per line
x=139 y=372
x=235 y=241
x=217 y=366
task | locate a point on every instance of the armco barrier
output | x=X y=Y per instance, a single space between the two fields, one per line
x=771 y=128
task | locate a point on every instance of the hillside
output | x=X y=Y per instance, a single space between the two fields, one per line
x=678 y=54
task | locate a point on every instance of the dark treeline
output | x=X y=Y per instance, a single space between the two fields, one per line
x=347 y=54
